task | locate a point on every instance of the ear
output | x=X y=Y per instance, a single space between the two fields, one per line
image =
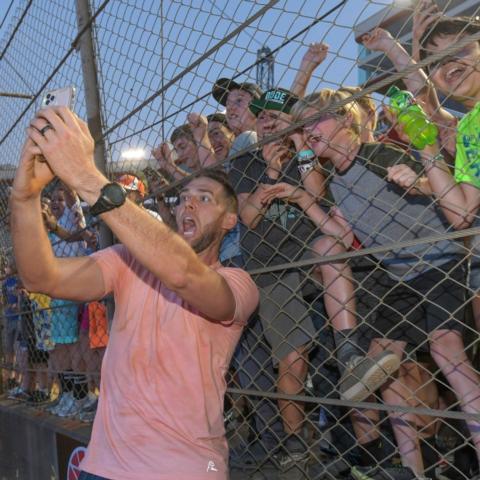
x=229 y=220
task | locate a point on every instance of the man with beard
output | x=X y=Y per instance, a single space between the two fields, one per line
x=178 y=313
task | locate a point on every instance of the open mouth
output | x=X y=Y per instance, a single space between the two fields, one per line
x=218 y=149
x=189 y=227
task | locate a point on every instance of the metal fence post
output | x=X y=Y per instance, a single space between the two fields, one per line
x=92 y=99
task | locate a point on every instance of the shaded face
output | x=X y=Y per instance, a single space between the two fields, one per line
x=58 y=203
x=457 y=75
x=134 y=196
x=272 y=121
x=239 y=116
x=320 y=134
x=221 y=139
x=187 y=152
x=200 y=213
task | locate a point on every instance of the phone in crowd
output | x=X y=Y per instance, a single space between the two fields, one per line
x=61 y=97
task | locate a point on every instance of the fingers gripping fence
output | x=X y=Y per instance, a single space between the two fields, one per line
x=362 y=360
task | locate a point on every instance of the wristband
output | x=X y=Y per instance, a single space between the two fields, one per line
x=306 y=167
x=305 y=156
x=268 y=180
x=430 y=161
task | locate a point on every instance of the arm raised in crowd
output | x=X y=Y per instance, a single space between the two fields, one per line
x=68 y=148
x=417 y=81
x=425 y=15
x=314 y=56
x=199 y=126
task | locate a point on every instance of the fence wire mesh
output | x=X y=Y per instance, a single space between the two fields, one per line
x=362 y=359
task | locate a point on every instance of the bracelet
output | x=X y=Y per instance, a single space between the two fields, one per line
x=304 y=156
x=268 y=180
x=430 y=161
x=304 y=168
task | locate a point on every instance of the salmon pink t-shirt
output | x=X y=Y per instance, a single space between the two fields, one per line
x=160 y=411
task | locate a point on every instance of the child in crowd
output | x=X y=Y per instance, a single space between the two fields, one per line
x=425 y=299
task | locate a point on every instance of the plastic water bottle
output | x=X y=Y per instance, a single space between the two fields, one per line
x=419 y=129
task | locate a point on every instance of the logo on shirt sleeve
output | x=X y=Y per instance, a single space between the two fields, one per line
x=211 y=467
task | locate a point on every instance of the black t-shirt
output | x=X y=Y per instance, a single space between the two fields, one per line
x=284 y=232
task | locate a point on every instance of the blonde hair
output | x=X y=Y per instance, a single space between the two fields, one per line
x=365 y=102
x=323 y=100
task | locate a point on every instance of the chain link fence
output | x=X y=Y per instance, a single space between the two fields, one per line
x=362 y=361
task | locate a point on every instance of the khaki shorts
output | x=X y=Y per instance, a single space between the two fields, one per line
x=285 y=315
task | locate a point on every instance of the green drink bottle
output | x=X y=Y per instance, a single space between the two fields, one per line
x=419 y=129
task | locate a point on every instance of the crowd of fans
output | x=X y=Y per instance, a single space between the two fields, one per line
x=314 y=178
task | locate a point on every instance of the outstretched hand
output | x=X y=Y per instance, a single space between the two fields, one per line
x=314 y=56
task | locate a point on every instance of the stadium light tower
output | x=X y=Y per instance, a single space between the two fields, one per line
x=265 y=68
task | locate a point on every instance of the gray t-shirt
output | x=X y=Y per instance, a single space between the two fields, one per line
x=284 y=232
x=382 y=213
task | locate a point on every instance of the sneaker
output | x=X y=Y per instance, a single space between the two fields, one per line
x=14 y=391
x=384 y=473
x=293 y=466
x=20 y=395
x=72 y=407
x=65 y=398
x=293 y=462
x=88 y=416
x=364 y=375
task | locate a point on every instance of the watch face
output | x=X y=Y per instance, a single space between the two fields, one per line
x=115 y=193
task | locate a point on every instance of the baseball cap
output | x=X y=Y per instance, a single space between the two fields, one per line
x=223 y=86
x=274 y=99
x=131 y=182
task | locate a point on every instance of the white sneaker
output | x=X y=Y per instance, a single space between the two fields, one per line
x=73 y=407
x=92 y=399
x=64 y=399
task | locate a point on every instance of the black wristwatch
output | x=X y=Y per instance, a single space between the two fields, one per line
x=112 y=195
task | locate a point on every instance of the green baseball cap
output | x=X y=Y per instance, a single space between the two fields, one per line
x=274 y=99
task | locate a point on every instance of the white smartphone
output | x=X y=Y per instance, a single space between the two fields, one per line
x=62 y=97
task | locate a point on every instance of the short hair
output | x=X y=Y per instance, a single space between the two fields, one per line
x=218 y=117
x=324 y=99
x=183 y=131
x=365 y=102
x=221 y=177
x=448 y=26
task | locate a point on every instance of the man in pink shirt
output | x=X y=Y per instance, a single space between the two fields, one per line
x=178 y=313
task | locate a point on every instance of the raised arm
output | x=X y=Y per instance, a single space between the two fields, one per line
x=68 y=148
x=417 y=81
x=69 y=278
x=314 y=56
x=199 y=125
x=426 y=13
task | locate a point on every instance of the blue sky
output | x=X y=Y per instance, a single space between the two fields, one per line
x=136 y=60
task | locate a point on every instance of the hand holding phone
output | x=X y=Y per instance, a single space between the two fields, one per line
x=62 y=97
